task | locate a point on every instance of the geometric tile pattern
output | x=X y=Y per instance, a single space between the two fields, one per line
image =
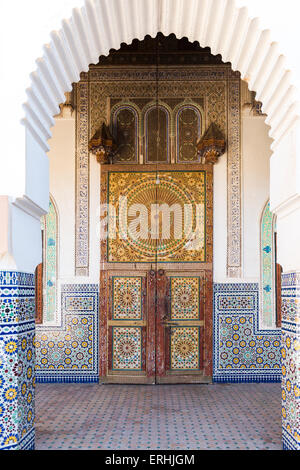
x=127 y=348
x=173 y=417
x=259 y=360
x=127 y=298
x=290 y=356
x=67 y=349
x=184 y=348
x=236 y=302
x=69 y=352
x=239 y=347
x=243 y=352
x=185 y=298
x=17 y=356
x=75 y=303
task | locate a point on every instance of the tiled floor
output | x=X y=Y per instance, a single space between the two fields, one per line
x=219 y=416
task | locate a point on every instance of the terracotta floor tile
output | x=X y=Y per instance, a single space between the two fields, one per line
x=218 y=416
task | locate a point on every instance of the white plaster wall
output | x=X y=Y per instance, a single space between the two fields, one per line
x=285 y=168
x=255 y=181
x=25 y=232
x=285 y=198
x=288 y=240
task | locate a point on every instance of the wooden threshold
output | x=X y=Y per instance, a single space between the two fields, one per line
x=184 y=379
x=122 y=379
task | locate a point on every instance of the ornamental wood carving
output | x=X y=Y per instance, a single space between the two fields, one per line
x=214 y=91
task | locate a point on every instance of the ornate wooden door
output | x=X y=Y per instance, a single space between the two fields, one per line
x=156 y=289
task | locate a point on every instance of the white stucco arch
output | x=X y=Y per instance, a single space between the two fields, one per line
x=101 y=25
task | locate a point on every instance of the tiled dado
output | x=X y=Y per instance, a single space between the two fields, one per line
x=69 y=353
x=243 y=352
x=290 y=354
x=17 y=380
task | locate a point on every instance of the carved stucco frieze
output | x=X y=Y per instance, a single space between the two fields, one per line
x=217 y=86
x=82 y=181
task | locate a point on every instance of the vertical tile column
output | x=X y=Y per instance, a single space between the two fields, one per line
x=17 y=357
x=290 y=353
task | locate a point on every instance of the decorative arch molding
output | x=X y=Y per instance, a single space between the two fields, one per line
x=104 y=24
x=50 y=229
x=127 y=104
x=130 y=145
x=192 y=104
x=165 y=112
